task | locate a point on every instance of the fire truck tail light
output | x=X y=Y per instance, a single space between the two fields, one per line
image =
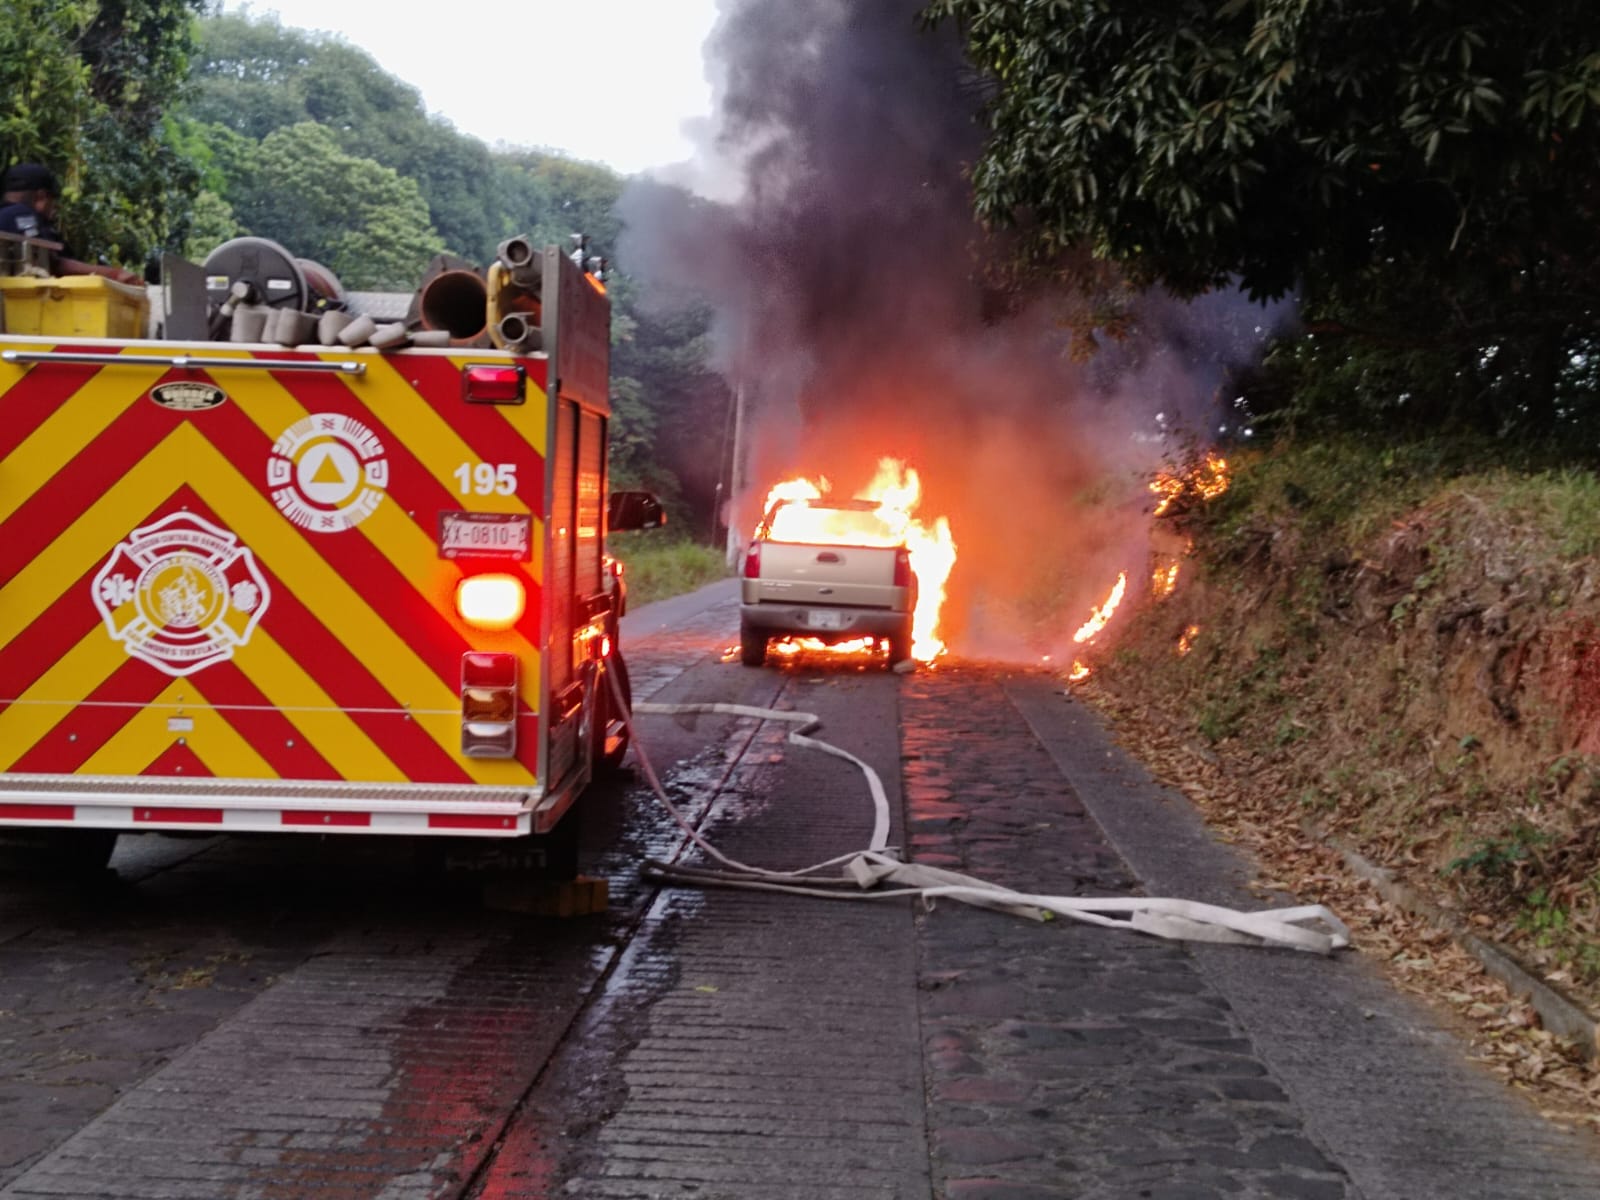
x=752 y=561
x=902 y=567
x=488 y=705
x=491 y=601
x=493 y=383
x=489 y=739
x=480 y=669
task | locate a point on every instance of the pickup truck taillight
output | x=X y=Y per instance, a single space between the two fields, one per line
x=902 y=567
x=752 y=561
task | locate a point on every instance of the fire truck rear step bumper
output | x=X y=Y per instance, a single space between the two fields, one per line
x=252 y=806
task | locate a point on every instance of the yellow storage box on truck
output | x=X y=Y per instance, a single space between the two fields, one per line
x=74 y=306
x=259 y=588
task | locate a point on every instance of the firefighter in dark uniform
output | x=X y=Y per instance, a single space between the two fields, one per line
x=29 y=198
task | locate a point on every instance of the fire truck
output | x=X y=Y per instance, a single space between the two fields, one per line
x=271 y=563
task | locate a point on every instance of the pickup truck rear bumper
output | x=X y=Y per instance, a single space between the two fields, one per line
x=821 y=621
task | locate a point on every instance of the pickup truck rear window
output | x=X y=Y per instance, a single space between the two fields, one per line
x=836 y=526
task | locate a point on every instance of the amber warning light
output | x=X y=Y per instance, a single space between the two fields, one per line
x=491 y=602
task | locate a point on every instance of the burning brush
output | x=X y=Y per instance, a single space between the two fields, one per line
x=1177 y=491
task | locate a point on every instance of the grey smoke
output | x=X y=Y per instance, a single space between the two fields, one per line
x=848 y=281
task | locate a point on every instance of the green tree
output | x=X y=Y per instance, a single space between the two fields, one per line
x=253 y=76
x=45 y=82
x=247 y=74
x=212 y=221
x=571 y=197
x=1413 y=168
x=671 y=407
x=88 y=84
x=362 y=220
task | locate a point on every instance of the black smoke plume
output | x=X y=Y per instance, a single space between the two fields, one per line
x=855 y=314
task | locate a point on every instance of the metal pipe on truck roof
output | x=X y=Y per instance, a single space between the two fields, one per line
x=457 y=301
x=521 y=259
x=520 y=333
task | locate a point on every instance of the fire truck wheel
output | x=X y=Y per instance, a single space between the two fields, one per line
x=560 y=847
x=603 y=762
x=752 y=646
x=78 y=852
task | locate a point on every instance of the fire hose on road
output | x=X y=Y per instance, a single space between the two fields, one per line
x=876 y=873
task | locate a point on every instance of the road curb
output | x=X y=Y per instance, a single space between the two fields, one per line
x=1560 y=1013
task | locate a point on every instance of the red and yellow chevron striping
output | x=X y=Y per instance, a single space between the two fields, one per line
x=243 y=579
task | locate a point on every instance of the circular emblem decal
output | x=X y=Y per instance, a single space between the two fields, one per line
x=327 y=473
x=181 y=594
x=186 y=396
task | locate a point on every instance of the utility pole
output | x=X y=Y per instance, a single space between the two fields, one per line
x=736 y=478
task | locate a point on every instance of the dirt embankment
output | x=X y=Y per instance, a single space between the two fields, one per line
x=1416 y=670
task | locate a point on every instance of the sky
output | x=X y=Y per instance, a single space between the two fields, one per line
x=633 y=68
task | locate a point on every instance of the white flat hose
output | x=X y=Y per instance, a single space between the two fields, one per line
x=862 y=872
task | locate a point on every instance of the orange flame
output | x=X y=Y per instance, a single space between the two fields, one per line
x=789 y=647
x=897 y=489
x=1103 y=614
x=796 y=490
x=1206 y=481
x=1202 y=481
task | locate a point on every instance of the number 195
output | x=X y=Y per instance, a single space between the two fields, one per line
x=484 y=479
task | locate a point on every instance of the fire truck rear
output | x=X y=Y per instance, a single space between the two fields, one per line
x=290 y=567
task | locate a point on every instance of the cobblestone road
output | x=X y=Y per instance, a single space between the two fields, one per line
x=223 y=1024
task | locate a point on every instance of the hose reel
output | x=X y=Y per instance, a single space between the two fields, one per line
x=268 y=276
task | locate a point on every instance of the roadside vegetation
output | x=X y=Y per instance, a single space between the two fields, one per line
x=657 y=567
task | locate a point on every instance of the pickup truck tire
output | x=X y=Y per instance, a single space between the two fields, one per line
x=899 y=646
x=752 y=646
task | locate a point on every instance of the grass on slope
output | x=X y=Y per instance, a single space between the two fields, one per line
x=656 y=567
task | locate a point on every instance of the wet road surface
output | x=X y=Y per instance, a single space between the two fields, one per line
x=233 y=1018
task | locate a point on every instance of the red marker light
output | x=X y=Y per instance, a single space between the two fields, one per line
x=493 y=383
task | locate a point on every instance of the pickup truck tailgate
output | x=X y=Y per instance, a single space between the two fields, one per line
x=797 y=573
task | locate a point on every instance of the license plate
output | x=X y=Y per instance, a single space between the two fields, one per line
x=824 y=618
x=485 y=535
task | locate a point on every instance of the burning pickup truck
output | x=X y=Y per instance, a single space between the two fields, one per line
x=846 y=572
x=834 y=572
